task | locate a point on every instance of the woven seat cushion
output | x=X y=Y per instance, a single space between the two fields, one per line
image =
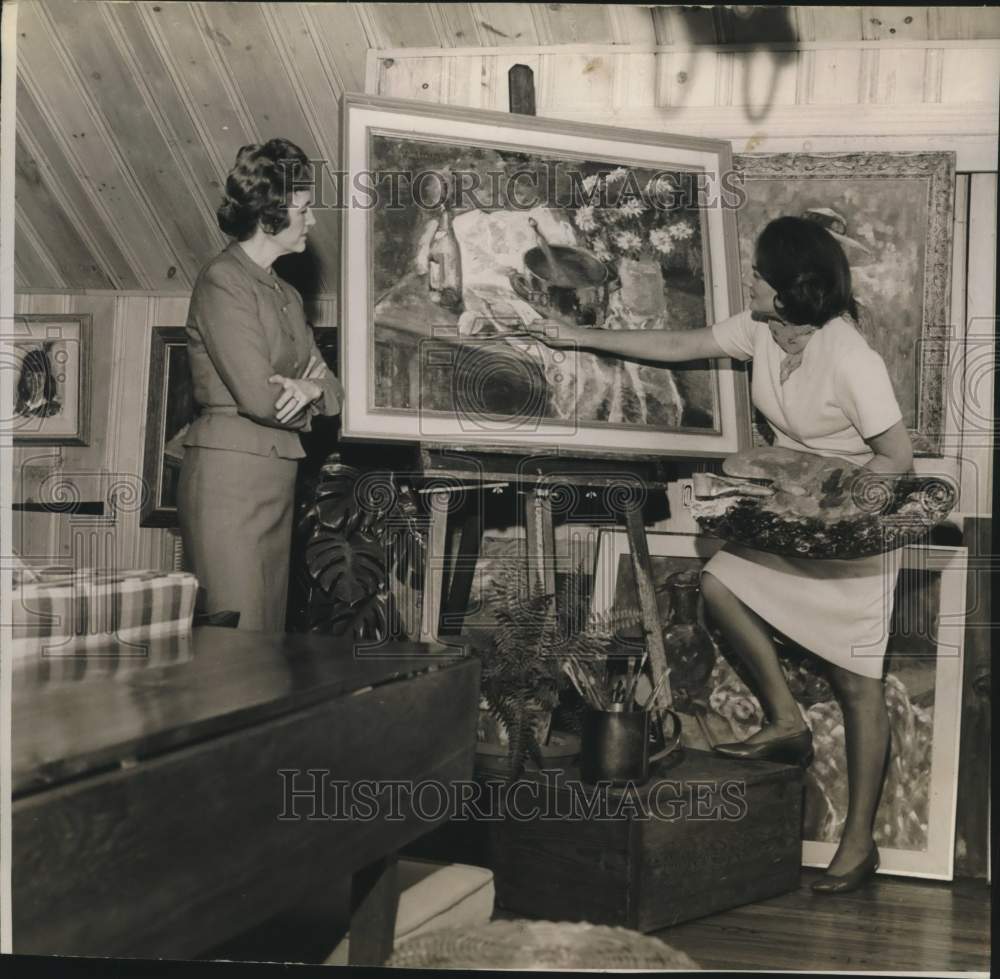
x=538 y=945
x=434 y=895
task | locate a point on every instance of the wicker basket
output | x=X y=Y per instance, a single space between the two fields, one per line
x=522 y=944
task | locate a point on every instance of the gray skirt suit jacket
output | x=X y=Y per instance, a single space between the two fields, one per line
x=237 y=482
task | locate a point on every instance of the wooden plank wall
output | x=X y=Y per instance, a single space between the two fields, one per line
x=110 y=468
x=799 y=96
x=130 y=114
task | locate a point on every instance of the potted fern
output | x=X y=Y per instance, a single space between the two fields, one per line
x=522 y=665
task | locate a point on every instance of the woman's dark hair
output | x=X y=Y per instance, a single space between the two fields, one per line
x=808 y=270
x=259 y=188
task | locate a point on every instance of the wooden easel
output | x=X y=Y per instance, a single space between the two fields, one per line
x=536 y=484
x=536 y=478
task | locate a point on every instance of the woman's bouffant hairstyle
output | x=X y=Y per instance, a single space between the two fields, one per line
x=259 y=188
x=808 y=270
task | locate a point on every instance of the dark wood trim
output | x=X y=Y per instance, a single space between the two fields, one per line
x=521 y=90
x=83 y=508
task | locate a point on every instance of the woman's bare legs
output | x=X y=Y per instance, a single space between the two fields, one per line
x=866 y=732
x=750 y=637
x=862 y=701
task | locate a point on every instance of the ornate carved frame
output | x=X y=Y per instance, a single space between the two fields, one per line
x=937 y=170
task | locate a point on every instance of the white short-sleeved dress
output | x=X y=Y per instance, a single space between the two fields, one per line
x=837 y=397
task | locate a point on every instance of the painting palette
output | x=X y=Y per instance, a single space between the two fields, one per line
x=824 y=507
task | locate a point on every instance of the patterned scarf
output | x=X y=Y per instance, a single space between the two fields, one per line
x=792 y=339
x=789 y=363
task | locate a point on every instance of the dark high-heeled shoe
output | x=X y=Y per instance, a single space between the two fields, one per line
x=792 y=749
x=852 y=880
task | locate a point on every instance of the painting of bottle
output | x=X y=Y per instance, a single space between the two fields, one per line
x=444 y=265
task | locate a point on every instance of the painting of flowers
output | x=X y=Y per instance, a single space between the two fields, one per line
x=474 y=242
x=648 y=274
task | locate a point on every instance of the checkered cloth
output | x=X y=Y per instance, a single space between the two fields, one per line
x=89 y=608
x=66 y=661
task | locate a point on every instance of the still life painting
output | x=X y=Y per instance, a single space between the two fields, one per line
x=52 y=355
x=892 y=214
x=479 y=230
x=915 y=821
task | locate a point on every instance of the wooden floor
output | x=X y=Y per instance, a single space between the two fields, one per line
x=893 y=924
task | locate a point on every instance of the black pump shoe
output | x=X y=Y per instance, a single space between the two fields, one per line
x=852 y=880
x=792 y=749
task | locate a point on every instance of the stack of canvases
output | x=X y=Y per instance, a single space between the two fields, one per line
x=67 y=611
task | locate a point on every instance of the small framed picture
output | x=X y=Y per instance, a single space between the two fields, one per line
x=52 y=370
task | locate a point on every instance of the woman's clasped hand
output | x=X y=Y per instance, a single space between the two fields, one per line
x=298 y=393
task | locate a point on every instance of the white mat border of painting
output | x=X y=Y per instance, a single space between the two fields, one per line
x=936 y=862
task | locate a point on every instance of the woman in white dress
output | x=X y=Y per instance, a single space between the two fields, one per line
x=823 y=390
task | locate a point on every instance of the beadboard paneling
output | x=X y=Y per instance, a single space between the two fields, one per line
x=133 y=112
x=110 y=467
x=811 y=96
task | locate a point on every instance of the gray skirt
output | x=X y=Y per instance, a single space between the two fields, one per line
x=235 y=513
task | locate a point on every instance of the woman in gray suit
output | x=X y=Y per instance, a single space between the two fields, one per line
x=258 y=381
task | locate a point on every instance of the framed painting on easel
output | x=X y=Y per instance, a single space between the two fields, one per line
x=463 y=227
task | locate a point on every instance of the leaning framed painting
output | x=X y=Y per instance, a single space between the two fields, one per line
x=893 y=215
x=169 y=413
x=52 y=370
x=170 y=410
x=915 y=820
x=464 y=228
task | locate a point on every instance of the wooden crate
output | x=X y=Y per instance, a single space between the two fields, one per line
x=704 y=835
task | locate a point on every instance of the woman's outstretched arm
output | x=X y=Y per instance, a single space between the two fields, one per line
x=658 y=346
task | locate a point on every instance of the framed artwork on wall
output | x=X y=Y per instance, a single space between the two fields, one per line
x=893 y=215
x=915 y=822
x=171 y=409
x=169 y=413
x=463 y=227
x=52 y=357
